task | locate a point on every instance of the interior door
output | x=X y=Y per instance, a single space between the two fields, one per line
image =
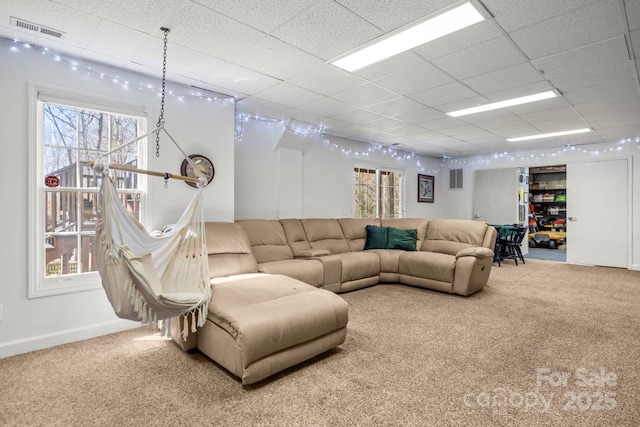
x=495 y=196
x=597 y=213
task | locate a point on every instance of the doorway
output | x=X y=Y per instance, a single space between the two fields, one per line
x=548 y=213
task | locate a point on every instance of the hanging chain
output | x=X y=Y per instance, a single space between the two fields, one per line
x=164 y=81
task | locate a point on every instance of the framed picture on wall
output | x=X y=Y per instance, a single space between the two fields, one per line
x=426 y=188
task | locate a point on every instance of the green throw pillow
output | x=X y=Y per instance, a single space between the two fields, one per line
x=376 y=237
x=402 y=239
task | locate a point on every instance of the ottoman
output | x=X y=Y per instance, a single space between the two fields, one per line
x=260 y=324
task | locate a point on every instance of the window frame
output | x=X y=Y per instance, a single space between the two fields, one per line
x=38 y=284
x=378 y=201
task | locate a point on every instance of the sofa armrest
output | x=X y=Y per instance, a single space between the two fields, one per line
x=311 y=253
x=477 y=252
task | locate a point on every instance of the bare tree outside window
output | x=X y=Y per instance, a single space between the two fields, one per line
x=72 y=137
x=377 y=193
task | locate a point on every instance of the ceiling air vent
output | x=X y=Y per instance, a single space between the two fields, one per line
x=36 y=28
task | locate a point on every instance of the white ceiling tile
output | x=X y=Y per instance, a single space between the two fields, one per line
x=180 y=60
x=414 y=79
x=326 y=107
x=518 y=91
x=467 y=37
x=260 y=106
x=200 y=28
x=594 y=65
x=609 y=105
x=459 y=130
x=550 y=114
x=443 y=94
x=326 y=79
x=423 y=115
x=447 y=122
x=505 y=78
x=483 y=138
x=116 y=40
x=396 y=107
x=463 y=103
x=514 y=14
x=384 y=124
x=242 y=80
x=263 y=15
x=290 y=60
x=425 y=135
x=392 y=14
x=632 y=9
x=614 y=90
x=408 y=130
x=635 y=43
x=598 y=21
x=366 y=94
x=502 y=122
x=357 y=116
x=309 y=30
x=480 y=59
x=288 y=94
x=333 y=124
x=143 y=15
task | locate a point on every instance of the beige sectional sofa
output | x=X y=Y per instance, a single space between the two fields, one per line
x=274 y=282
x=453 y=256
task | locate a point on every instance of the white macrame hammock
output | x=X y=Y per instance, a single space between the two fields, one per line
x=149 y=278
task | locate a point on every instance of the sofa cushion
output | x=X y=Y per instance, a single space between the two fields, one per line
x=376 y=237
x=450 y=236
x=308 y=271
x=359 y=265
x=354 y=231
x=418 y=224
x=389 y=259
x=325 y=234
x=295 y=235
x=427 y=265
x=401 y=239
x=268 y=241
x=229 y=249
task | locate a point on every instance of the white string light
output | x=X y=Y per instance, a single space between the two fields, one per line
x=242 y=118
x=320 y=131
x=75 y=66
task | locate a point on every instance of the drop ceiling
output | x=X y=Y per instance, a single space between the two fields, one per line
x=274 y=57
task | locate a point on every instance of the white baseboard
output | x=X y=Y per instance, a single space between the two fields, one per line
x=27 y=345
x=635 y=267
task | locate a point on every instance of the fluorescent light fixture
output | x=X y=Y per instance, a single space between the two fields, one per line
x=549 y=135
x=408 y=37
x=504 y=104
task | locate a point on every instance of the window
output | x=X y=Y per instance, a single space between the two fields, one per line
x=455 y=179
x=377 y=193
x=65 y=195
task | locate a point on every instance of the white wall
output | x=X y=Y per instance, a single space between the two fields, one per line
x=459 y=204
x=199 y=126
x=327 y=174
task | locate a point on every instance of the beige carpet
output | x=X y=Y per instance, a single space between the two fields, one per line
x=412 y=357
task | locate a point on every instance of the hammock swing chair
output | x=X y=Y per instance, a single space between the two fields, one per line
x=149 y=277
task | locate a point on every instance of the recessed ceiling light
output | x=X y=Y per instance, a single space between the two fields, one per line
x=410 y=36
x=549 y=135
x=504 y=104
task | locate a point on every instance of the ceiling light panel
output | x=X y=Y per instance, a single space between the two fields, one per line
x=549 y=135
x=504 y=104
x=411 y=36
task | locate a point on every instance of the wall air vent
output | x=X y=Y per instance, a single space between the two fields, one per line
x=36 y=28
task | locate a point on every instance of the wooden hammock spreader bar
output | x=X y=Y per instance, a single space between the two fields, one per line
x=165 y=175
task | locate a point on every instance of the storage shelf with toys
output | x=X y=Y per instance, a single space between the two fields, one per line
x=548 y=197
